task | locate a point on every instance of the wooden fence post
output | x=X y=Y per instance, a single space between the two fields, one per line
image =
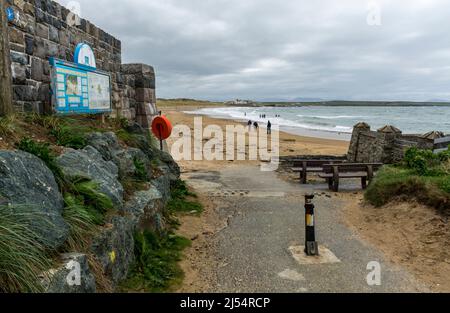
x=6 y=105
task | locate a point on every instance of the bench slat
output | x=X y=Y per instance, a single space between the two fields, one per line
x=346 y=175
x=309 y=169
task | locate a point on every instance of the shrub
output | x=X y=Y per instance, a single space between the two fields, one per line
x=394 y=182
x=420 y=160
x=23 y=256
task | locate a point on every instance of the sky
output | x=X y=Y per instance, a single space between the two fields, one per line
x=285 y=49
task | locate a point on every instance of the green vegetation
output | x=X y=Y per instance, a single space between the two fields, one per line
x=156 y=267
x=7 y=126
x=167 y=103
x=135 y=140
x=81 y=220
x=140 y=170
x=183 y=201
x=85 y=196
x=42 y=151
x=422 y=176
x=70 y=136
x=23 y=256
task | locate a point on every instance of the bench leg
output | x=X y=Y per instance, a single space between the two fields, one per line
x=336 y=185
x=304 y=179
x=364 y=183
x=330 y=183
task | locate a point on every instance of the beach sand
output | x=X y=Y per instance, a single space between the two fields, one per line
x=290 y=144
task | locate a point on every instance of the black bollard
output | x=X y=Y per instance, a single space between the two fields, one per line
x=311 y=246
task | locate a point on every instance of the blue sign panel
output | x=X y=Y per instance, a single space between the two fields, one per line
x=79 y=89
x=10 y=15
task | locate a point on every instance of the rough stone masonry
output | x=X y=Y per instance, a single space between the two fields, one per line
x=42 y=29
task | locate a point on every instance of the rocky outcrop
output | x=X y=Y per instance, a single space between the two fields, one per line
x=26 y=180
x=124 y=157
x=114 y=248
x=145 y=209
x=89 y=163
x=72 y=276
x=26 y=184
x=153 y=153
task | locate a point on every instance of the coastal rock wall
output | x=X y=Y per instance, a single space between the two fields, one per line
x=386 y=145
x=26 y=182
x=42 y=29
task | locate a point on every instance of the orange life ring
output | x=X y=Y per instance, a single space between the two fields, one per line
x=161 y=127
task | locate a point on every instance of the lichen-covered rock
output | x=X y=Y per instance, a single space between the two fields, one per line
x=114 y=248
x=89 y=163
x=171 y=168
x=73 y=276
x=153 y=152
x=163 y=183
x=145 y=209
x=26 y=183
x=105 y=143
x=124 y=158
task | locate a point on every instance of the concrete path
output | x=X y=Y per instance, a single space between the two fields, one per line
x=266 y=217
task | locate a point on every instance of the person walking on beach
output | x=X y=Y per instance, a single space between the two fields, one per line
x=255 y=124
x=269 y=128
x=249 y=125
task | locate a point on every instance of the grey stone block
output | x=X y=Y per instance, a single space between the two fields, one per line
x=18 y=57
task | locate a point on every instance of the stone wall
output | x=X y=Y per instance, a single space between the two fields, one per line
x=40 y=31
x=386 y=145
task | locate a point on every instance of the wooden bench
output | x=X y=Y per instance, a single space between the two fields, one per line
x=311 y=166
x=441 y=144
x=333 y=173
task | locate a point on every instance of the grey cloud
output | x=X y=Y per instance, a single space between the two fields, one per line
x=257 y=49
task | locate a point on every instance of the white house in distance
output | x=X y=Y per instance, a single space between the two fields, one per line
x=240 y=102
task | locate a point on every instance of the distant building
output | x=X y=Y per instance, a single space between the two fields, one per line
x=241 y=102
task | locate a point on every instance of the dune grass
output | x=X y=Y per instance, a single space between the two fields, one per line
x=423 y=176
x=23 y=255
x=8 y=126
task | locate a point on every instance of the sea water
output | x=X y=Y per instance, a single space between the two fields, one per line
x=336 y=122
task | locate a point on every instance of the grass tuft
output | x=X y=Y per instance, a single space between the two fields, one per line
x=140 y=170
x=8 y=126
x=70 y=136
x=23 y=256
x=156 y=267
x=183 y=201
x=81 y=220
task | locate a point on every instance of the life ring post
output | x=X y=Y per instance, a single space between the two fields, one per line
x=161 y=129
